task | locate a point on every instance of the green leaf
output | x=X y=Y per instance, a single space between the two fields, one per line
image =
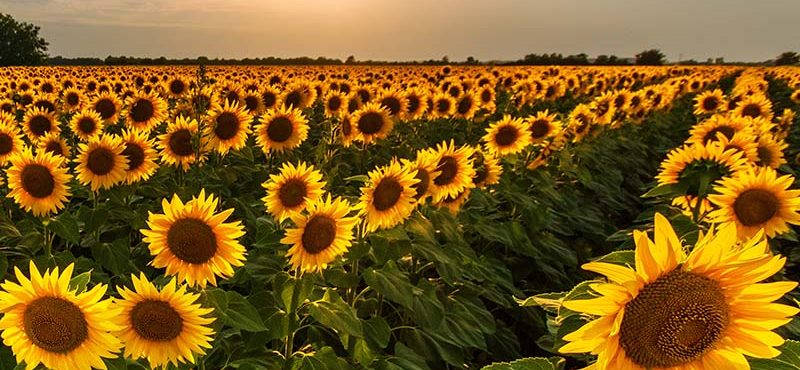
x=96 y=218
x=65 y=225
x=79 y=282
x=392 y=283
x=377 y=332
x=667 y=189
x=534 y=363
x=241 y=314
x=622 y=258
x=334 y=313
x=789 y=359
x=114 y=257
x=293 y=291
x=362 y=354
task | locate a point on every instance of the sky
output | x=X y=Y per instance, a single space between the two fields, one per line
x=738 y=30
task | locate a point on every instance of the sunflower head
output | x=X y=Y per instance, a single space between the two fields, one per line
x=193 y=242
x=101 y=163
x=140 y=155
x=321 y=235
x=291 y=191
x=281 y=129
x=39 y=122
x=372 y=122
x=389 y=197
x=178 y=146
x=10 y=141
x=507 y=136
x=45 y=322
x=38 y=183
x=228 y=127
x=145 y=111
x=455 y=171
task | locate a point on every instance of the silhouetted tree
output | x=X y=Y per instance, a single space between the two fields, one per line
x=652 y=57
x=788 y=58
x=350 y=60
x=20 y=43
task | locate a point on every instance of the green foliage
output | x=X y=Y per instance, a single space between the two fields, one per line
x=20 y=43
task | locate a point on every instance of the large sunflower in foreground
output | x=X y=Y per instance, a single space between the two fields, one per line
x=507 y=136
x=757 y=199
x=321 y=235
x=228 y=127
x=140 y=154
x=455 y=170
x=388 y=199
x=704 y=310
x=164 y=326
x=281 y=129
x=38 y=183
x=101 y=164
x=45 y=322
x=193 y=242
x=292 y=190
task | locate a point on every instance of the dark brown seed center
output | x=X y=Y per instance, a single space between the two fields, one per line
x=386 y=194
x=751 y=110
x=156 y=321
x=755 y=206
x=227 y=126
x=764 y=156
x=725 y=130
x=38 y=181
x=674 y=320
x=106 y=108
x=540 y=128
x=40 y=125
x=280 y=129
x=55 y=324
x=392 y=104
x=319 y=234
x=421 y=187
x=192 y=241
x=710 y=103
x=177 y=87
x=101 y=161
x=334 y=103
x=135 y=155
x=370 y=123
x=54 y=147
x=142 y=110
x=87 y=125
x=443 y=106
x=506 y=136
x=448 y=169
x=292 y=193
x=251 y=103
x=180 y=142
x=6 y=144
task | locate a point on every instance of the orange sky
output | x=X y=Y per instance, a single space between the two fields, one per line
x=413 y=29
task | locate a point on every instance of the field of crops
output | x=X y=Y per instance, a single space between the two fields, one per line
x=399 y=217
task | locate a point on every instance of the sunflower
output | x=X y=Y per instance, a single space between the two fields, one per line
x=372 y=122
x=321 y=235
x=754 y=106
x=710 y=129
x=281 y=129
x=140 y=154
x=193 y=242
x=165 y=326
x=425 y=168
x=270 y=98
x=145 y=111
x=86 y=125
x=54 y=144
x=603 y=108
x=38 y=183
x=201 y=99
x=108 y=106
x=38 y=123
x=673 y=311
x=252 y=102
x=298 y=95
x=395 y=103
x=7 y=106
x=466 y=106
x=228 y=127
x=455 y=170
x=709 y=102
x=417 y=103
x=101 y=164
x=442 y=106
x=335 y=103
x=507 y=136
x=542 y=126
x=770 y=152
x=45 y=102
x=176 y=87
x=73 y=99
x=45 y=322
x=742 y=141
x=795 y=97
x=487 y=169
x=757 y=199
x=580 y=122
x=10 y=142
x=454 y=203
x=388 y=199
x=347 y=130
x=695 y=166
x=292 y=190
x=176 y=146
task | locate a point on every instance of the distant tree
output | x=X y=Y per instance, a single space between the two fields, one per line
x=20 y=43
x=350 y=60
x=788 y=58
x=652 y=57
x=471 y=60
x=445 y=59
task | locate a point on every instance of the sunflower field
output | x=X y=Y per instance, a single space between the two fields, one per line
x=399 y=218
